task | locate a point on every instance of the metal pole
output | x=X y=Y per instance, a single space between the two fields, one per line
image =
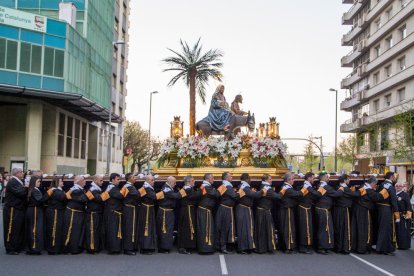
x=149 y=134
x=336 y=129
x=322 y=158
x=108 y=154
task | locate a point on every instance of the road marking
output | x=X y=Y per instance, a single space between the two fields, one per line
x=372 y=265
x=223 y=266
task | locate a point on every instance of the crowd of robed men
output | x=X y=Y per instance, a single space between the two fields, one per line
x=130 y=219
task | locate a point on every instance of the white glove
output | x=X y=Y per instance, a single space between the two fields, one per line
x=307 y=185
x=397 y=221
x=323 y=184
x=387 y=185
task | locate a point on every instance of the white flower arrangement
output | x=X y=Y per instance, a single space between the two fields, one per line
x=266 y=147
x=194 y=147
x=168 y=146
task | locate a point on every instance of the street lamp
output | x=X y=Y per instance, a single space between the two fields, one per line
x=336 y=126
x=108 y=153
x=149 y=133
x=322 y=158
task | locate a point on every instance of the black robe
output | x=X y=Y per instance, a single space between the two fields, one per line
x=94 y=221
x=325 y=229
x=13 y=216
x=187 y=218
x=35 y=222
x=55 y=200
x=130 y=209
x=264 y=235
x=224 y=220
x=287 y=224
x=404 y=226
x=305 y=220
x=74 y=222
x=205 y=219
x=166 y=217
x=147 y=233
x=342 y=219
x=244 y=218
x=113 y=219
x=386 y=235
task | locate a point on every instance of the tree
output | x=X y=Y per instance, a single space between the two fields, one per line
x=347 y=150
x=309 y=155
x=404 y=137
x=195 y=69
x=136 y=138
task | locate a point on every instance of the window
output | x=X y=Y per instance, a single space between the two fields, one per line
x=401 y=63
x=53 y=62
x=121 y=88
x=384 y=138
x=403 y=32
x=76 y=140
x=61 y=134
x=387 y=70
x=376 y=105
x=115 y=54
x=364 y=111
x=113 y=80
x=373 y=142
x=388 y=42
x=388 y=14
x=387 y=100
x=376 y=78
x=377 y=51
x=83 y=141
x=8 y=54
x=30 y=58
x=401 y=94
x=69 y=137
x=378 y=23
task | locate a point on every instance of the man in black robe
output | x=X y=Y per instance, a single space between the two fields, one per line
x=14 y=212
x=244 y=216
x=130 y=207
x=305 y=217
x=225 y=226
x=94 y=216
x=147 y=233
x=264 y=235
x=113 y=215
x=342 y=215
x=404 y=227
x=74 y=223
x=187 y=216
x=167 y=200
x=287 y=213
x=388 y=215
x=323 y=205
x=205 y=219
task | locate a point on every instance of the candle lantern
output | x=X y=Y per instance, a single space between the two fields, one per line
x=273 y=127
x=177 y=128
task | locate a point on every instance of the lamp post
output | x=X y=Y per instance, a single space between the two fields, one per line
x=321 y=147
x=108 y=153
x=149 y=133
x=336 y=126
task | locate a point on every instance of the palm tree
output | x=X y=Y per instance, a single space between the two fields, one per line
x=195 y=69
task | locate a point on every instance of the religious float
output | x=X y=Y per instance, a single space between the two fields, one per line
x=255 y=151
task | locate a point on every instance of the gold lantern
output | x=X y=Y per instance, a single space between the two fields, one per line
x=177 y=128
x=261 y=130
x=273 y=128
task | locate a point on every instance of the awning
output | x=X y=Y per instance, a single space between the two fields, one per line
x=72 y=102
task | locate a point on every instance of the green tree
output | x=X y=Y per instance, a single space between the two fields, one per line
x=403 y=139
x=136 y=138
x=347 y=150
x=310 y=158
x=195 y=69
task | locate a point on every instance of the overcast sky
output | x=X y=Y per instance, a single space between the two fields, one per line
x=282 y=56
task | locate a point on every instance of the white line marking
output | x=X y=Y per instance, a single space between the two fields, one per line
x=372 y=265
x=223 y=266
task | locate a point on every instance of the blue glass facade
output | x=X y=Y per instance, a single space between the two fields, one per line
x=40 y=4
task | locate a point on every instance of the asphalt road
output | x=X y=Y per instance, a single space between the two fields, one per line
x=175 y=264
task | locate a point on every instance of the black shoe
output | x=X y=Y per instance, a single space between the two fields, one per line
x=12 y=253
x=146 y=252
x=130 y=253
x=305 y=251
x=242 y=252
x=33 y=253
x=290 y=251
x=184 y=251
x=323 y=252
x=388 y=253
x=51 y=253
x=113 y=252
x=224 y=251
x=164 y=251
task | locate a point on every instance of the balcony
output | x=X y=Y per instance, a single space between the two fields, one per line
x=392 y=81
x=391 y=53
x=350 y=126
x=354 y=77
x=398 y=18
x=347 y=60
x=347 y=1
x=347 y=38
x=350 y=14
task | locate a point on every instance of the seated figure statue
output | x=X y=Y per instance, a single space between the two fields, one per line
x=219 y=114
x=235 y=108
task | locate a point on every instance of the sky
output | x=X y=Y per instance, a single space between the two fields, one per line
x=282 y=56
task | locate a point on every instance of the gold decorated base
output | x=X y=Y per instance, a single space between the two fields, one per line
x=174 y=166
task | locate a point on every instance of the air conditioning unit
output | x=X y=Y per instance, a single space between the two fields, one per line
x=366 y=87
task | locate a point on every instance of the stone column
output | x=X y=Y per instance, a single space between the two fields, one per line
x=34 y=135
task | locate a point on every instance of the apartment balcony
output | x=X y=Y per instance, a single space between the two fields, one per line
x=350 y=126
x=355 y=99
x=355 y=76
x=351 y=35
x=350 y=14
x=347 y=61
x=398 y=18
x=394 y=80
x=392 y=52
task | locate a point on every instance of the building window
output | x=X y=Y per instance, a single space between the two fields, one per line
x=83 y=141
x=378 y=23
x=388 y=13
x=389 y=42
x=8 y=54
x=387 y=100
x=384 y=138
x=376 y=78
x=61 y=135
x=376 y=105
x=373 y=143
x=121 y=88
x=401 y=94
x=30 y=58
x=403 y=32
x=387 y=71
x=401 y=63
x=76 y=140
x=115 y=54
x=69 y=136
x=113 y=80
x=377 y=51
x=53 y=62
